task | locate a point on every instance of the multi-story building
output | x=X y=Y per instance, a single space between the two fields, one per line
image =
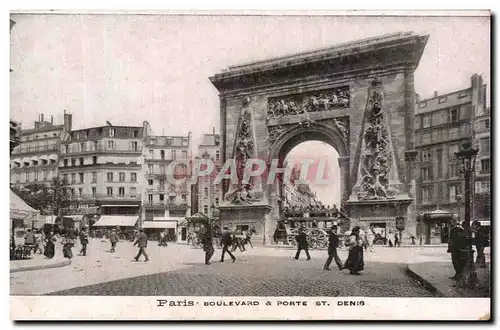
x=442 y=124
x=35 y=159
x=166 y=202
x=102 y=165
x=209 y=194
x=482 y=201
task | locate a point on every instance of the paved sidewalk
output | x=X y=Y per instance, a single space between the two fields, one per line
x=37 y=262
x=435 y=276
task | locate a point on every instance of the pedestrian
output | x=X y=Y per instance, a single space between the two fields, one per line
x=333 y=244
x=226 y=244
x=113 y=238
x=68 y=244
x=50 y=247
x=238 y=241
x=208 y=245
x=302 y=244
x=455 y=247
x=369 y=240
x=480 y=241
x=390 y=238
x=38 y=242
x=142 y=243
x=413 y=240
x=84 y=241
x=355 y=262
x=396 y=240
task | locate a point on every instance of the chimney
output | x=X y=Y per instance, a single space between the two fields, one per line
x=41 y=118
x=417 y=97
x=52 y=119
x=435 y=93
x=68 y=119
x=213 y=130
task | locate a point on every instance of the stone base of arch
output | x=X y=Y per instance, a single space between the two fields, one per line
x=256 y=215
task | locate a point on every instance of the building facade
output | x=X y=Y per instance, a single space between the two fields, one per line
x=442 y=124
x=482 y=201
x=102 y=165
x=166 y=202
x=36 y=158
x=209 y=194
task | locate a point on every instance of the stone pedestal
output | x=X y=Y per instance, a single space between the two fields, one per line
x=252 y=215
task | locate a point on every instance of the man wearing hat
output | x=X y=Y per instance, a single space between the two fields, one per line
x=333 y=244
x=113 y=238
x=227 y=242
x=302 y=244
x=142 y=243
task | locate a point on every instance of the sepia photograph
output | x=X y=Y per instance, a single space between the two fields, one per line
x=230 y=166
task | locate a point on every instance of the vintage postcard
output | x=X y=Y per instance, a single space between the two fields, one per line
x=223 y=166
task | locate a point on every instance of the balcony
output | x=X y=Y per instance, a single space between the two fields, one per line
x=101 y=149
x=38 y=149
x=172 y=205
x=155 y=204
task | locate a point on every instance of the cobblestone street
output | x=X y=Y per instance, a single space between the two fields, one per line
x=179 y=270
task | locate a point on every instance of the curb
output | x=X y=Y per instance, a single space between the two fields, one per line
x=423 y=282
x=30 y=268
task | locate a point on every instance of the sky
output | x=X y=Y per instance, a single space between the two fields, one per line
x=130 y=68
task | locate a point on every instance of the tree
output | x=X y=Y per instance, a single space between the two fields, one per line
x=49 y=199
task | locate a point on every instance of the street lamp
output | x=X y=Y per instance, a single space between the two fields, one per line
x=467 y=156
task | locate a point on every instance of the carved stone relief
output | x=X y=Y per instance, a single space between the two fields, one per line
x=337 y=98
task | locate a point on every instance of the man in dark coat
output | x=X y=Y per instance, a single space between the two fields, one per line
x=480 y=241
x=456 y=246
x=142 y=243
x=113 y=238
x=208 y=246
x=302 y=244
x=333 y=244
x=227 y=242
x=84 y=240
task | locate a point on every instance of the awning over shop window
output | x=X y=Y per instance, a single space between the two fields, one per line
x=159 y=224
x=116 y=220
x=19 y=209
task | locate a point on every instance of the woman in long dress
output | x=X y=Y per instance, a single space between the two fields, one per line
x=354 y=261
x=50 y=247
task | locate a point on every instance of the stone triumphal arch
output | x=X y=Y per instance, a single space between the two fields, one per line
x=358 y=97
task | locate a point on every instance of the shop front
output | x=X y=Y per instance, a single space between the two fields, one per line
x=434 y=227
x=154 y=228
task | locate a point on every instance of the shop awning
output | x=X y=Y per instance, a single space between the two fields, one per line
x=116 y=220
x=18 y=207
x=159 y=224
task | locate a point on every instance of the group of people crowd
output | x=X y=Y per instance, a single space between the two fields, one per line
x=319 y=210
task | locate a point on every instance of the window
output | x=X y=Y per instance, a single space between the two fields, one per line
x=135 y=133
x=81 y=177
x=172 y=154
x=205 y=192
x=36 y=176
x=94 y=177
x=133 y=192
x=452 y=150
x=44 y=175
x=425 y=174
x=73 y=162
x=133 y=177
x=151 y=154
x=205 y=209
x=482 y=187
x=217 y=155
x=112 y=132
x=426 y=138
x=150 y=169
x=81 y=161
x=454 y=115
x=150 y=182
x=184 y=154
x=121 y=191
x=426 y=155
x=122 y=177
x=111 y=145
x=453 y=171
x=484 y=144
x=65 y=161
x=162 y=197
x=65 y=178
x=73 y=178
x=162 y=169
x=150 y=199
x=95 y=145
x=169 y=141
x=162 y=154
x=184 y=197
x=94 y=191
x=80 y=192
x=217 y=201
x=426 y=194
x=162 y=183
x=442 y=99
x=82 y=146
x=135 y=146
x=485 y=165
x=486 y=124
x=110 y=176
x=426 y=121
x=94 y=160
x=110 y=191
x=453 y=192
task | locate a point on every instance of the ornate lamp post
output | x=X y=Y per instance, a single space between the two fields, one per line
x=467 y=156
